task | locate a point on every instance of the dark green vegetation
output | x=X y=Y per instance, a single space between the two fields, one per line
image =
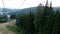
x=13 y=16
x=43 y=21
x=3 y=19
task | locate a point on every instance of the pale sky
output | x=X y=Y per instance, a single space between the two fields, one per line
x=16 y=4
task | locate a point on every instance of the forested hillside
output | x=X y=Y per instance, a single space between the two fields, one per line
x=44 y=21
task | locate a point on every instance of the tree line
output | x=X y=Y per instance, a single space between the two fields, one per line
x=43 y=21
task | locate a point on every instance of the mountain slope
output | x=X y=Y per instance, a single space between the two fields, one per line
x=20 y=11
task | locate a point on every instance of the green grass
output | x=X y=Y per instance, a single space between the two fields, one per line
x=14 y=29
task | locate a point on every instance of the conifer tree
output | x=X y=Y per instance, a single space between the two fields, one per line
x=43 y=20
x=26 y=23
x=38 y=14
x=50 y=19
x=56 y=28
x=47 y=19
x=31 y=20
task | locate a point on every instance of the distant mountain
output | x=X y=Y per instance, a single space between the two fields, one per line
x=17 y=11
x=55 y=8
x=26 y=10
x=32 y=9
x=8 y=11
x=20 y=11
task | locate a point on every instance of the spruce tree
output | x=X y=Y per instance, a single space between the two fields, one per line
x=47 y=19
x=31 y=20
x=56 y=28
x=43 y=20
x=26 y=23
x=50 y=19
x=38 y=15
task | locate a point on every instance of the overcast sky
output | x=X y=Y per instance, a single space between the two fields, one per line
x=28 y=3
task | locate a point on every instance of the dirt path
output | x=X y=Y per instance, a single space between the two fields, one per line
x=3 y=28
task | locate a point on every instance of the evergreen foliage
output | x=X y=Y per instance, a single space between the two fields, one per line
x=44 y=21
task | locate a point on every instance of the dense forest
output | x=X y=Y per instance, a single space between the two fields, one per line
x=43 y=21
